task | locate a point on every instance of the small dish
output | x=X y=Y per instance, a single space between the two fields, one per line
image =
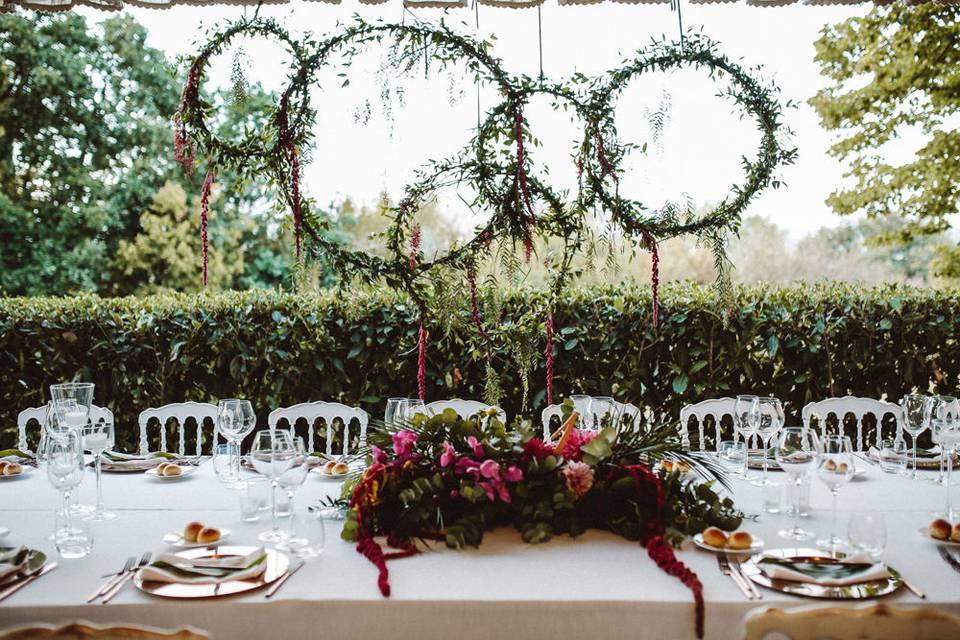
x=184 y=472
x=755 y=546
x=176 y=540
x=24 y=470
x=926 y=534
x=322 y=473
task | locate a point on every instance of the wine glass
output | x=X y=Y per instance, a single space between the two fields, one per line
x=80 y=393
x=391 y=414
x=291 y=480
x=796 y=453
x=272 y=455
x=235 y=420
x=581 y=404
x=916 y=409
x=63 y=456
x=97 y=437
x=407 y=410
x=746 y=422
x=64 y=416
x=599 y=407
x=770 y=420
x=945 y=424
x=835 y=468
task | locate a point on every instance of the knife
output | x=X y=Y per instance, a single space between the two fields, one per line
x=279 y=583
x=9 y=591
x=946 y=555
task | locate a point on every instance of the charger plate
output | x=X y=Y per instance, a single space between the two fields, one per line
x=277 y=564
x=861 y=591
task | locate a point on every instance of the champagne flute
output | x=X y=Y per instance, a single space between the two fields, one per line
x=771 y=418
x=235 y=420
x=272 y=455
x=745 y=423
x=835 y=468
x=291 y=480
x=796 y=454
x=916 y=408
x=97 y=437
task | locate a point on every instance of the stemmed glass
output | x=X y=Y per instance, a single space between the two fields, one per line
x=581 y=404
x=916 y=408
x=272 y=455
x=599 y=407
x=97 y=437
x=235 y=420
x=65 y=416
x=291 y=480
x=835 y=468
x=73 y=400
x=770 y=420
x=391 y=414
x=407 y=410
x=796 y=453
x=746 y=420
x=945 y=426
x=63 y=455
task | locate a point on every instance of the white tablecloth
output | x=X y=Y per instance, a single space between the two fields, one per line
x=596 y=585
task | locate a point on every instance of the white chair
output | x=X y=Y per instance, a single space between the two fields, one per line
x=39 y=414
x=329 y=412
x=717 y=408
x=464 y=408
x=181 y=412
x=873 y=622
x=622 y=409
x=88 y=631
x=858 y=407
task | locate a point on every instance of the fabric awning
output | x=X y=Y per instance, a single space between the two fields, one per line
x=115 y=5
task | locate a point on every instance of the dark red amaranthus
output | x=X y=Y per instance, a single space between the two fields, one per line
x=415 y=238
x=183 y=150
x=204 y=214
x=524 y=188
x=475 y=308
x=293 y=159
x=422 y=361
x=550 y=358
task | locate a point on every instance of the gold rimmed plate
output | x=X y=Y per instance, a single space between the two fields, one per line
x=277 y=565
x=35 y=562
x=860 y=591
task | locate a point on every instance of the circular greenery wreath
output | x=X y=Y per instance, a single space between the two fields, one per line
x=495 y=162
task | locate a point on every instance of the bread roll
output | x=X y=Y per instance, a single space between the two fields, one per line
x=3 y=465
x=715 y=537
x=328 y=468
x=172 y=470
x=340 y=468
x=208 y=535
x=12 y=469
x=161 y=467
x=191 y=531
x=830 y=465
x=740 y=540
x=955 y=534
x=940 y=529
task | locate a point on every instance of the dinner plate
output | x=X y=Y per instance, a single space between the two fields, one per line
x=755 y=546
x=949 y=543
x=185 y=472
x=176 y=540
x=923 y=461
x=277 y=564
x=861 y=591
x=321 y=473
x=25 y=471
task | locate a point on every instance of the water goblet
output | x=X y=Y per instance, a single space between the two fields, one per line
x=63 y=457
x=867 y=532
x=746 y=421
x=835 y=468
x=291 y=480
x=66 y=416
x=770 y=419
x=235 y=420
x=942 y=410
x=97 y=437
x=916 y=409
x=80 y=393
x=272 y=455
x=796 y=453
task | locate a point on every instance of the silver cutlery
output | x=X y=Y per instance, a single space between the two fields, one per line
x=115 y=589
x=44 y=570
x=114 y=577
x=866 y=458
x=279 y=583
x=727 y=571
x=736 y=567
x=913 y=588
x=950 y=559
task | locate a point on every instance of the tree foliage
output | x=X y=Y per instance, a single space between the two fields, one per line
x=896 y=74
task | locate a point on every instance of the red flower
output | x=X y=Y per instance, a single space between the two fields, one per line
x=536 y=448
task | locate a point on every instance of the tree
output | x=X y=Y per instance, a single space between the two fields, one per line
x=895 y=75
x=83 y=118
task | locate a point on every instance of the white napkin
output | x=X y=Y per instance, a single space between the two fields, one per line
x=876 y=571
x=129 y=461
x=12 y=561
x=174 y=568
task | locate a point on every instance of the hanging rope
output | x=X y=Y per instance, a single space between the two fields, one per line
x=540 y=39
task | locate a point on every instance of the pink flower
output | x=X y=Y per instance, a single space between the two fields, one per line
x=403 y=443
x=379 y=457
x=578 y=477
x=449 y=455
x=490 y=469
x=576 y=439
x=513 y=474
x=476 y=446
x=536 y=448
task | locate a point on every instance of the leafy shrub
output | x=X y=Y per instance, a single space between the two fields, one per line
x=800 y=344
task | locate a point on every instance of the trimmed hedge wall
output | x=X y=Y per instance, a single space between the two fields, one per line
x=800 y=344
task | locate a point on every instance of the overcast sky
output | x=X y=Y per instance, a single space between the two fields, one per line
x=701 y=147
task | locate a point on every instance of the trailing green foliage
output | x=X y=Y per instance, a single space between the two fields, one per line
x=800 y=344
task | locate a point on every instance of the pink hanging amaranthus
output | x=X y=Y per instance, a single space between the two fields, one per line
x=293 y=159
x=531 y=219
x=204 y=214
x=415 y=238
x=422 y=361
x=550 y=358
x=183 y=150
x=475 y=308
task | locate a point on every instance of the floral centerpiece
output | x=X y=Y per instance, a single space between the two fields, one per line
x=448 y=479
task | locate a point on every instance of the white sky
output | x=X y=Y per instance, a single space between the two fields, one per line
x=702 y=145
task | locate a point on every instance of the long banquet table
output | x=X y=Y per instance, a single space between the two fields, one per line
x=596 y=585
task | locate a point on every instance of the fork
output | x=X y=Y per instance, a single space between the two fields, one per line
x=115 y=589
x=737 y=567
x=113 y=579
x=725 y=569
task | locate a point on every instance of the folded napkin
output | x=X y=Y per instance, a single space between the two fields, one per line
x=12 y=561
x=15 y=455
x=119 y=460
x=853 y=569
x=168 y=567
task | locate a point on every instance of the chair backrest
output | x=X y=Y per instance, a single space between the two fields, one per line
x=86 y=630
x=180 y=412
x=329 y=412
x=464 y=408
x=39 y=414
x=717 y=408
x=858 y=407
x=874 y=621
x=622 y=409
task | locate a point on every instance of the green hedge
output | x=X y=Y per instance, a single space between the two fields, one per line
x=800 y=344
